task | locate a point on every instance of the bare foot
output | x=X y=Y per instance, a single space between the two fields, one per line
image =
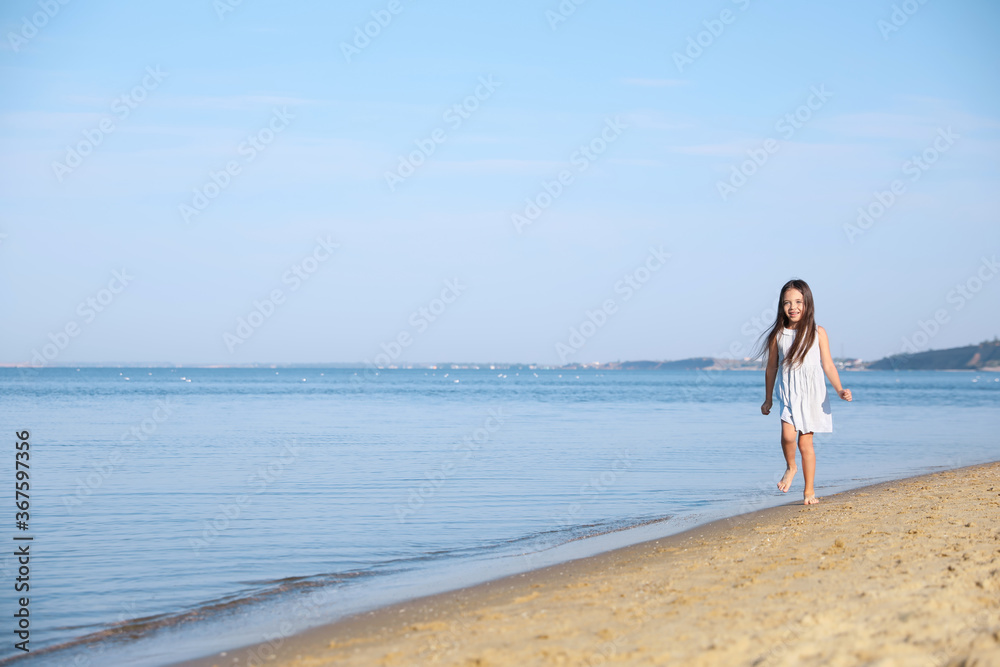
x=809 y=500
x=786 y=480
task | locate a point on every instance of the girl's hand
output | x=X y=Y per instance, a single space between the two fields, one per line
x=766 y=407
x=845 y=394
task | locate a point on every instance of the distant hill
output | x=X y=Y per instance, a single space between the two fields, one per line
x=692 y=364
x=986 y=355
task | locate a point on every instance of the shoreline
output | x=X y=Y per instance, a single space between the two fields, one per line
x=571 y=609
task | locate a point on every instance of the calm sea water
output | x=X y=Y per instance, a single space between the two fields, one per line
x=179 y=511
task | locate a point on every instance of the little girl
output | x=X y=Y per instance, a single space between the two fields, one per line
x=802 y=352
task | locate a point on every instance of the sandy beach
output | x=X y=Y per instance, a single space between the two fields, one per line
x=899 y=573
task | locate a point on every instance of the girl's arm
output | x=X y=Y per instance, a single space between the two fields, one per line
x=769 y=374
x=829 y=367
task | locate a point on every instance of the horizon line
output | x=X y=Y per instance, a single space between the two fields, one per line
x=347 y=365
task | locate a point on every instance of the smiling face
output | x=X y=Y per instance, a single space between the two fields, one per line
x=793 y=304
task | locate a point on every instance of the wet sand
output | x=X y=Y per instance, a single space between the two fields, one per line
x=899 y=573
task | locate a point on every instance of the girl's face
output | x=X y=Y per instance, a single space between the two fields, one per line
x=793 y=305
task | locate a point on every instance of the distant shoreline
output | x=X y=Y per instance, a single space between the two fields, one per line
x=455 y=367
x=982 y=357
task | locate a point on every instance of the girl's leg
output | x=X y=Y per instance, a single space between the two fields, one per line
x=788 y=434
x=808 y=467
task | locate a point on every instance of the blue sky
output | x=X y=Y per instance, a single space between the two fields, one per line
x=162 y=96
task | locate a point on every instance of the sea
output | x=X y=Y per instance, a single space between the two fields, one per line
x=175 y=512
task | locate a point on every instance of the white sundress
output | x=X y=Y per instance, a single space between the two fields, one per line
x=802 y=393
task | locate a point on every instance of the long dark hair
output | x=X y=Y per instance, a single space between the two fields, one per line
x=805 y=333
